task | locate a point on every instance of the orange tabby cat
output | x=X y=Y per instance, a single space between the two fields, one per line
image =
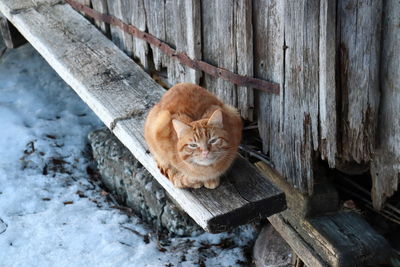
x=193 y=136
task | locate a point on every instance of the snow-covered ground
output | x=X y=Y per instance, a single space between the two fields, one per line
x=51 y=213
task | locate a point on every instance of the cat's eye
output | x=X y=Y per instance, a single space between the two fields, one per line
x=212 y=140
x=192 y=145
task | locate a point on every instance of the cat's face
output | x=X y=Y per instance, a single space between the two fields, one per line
x=202 y=142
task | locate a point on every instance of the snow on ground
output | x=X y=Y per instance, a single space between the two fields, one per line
x=51 y=213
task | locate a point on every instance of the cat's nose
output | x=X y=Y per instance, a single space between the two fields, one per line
x=205 y=153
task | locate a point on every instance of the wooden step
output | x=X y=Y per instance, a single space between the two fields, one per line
x=121 y=94
x=329 y=237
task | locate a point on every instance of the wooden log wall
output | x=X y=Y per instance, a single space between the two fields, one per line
x=337 y=63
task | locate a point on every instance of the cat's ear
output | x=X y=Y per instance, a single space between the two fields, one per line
x=180 y=127
x=216 y=119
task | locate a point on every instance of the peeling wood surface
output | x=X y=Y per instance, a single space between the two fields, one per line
x=121 y=93
x=359 y=38
x=289 y=52
x=337 y=240
x=385 y=169
x=327 y=83
x=228 y=43
x=101 y=6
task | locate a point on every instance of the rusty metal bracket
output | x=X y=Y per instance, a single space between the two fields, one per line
x=183 y=58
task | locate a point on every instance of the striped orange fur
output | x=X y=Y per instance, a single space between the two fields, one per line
x=193 y=136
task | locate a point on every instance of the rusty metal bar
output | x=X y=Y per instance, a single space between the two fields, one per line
x=184 y=59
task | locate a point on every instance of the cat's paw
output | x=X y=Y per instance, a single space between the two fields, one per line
x=211 y=184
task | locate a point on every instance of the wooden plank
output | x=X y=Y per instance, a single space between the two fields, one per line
x=122 y=9
x=219 y=46
x=11 y=36
x=288 y=54
x=228 y=43
x=359 y=31
x=121 y=93
x=337 y=239
x=327 y=82
x=269 y=54
x=183 y=30
x=385 y=168
x=303 y=250
x=155 y=20
x=140 y=47
x=244 y=55
x=345 y=239
x=101 y=6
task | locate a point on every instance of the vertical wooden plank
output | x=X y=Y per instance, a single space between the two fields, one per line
x=101 y=6
x=179 y=24
x=385 y=168
x=122 y=9
x=184 y=32
x=244 y=55
x=155 y=17
x=219 y=46
x=359 y=30
x=269 y=52
x=327 y=84
x=138 y=19
x=116 y=33
x=290 y=131
x=300 y=120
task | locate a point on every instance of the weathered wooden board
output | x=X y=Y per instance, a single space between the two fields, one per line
x=178 y=24
x=385 y=169
x=101 y=6
x=359 y=31
x=182 y=29
x=289 y=55
x=303 y=250
x=269 y=54
x=121 y=93
x=227 y=43
x=122 y=9
x=327 y=82
x=337 y=239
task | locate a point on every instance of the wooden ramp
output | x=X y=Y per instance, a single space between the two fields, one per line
x=121 y=93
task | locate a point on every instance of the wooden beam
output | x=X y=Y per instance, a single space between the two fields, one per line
x=121 y=93
x=332 y=239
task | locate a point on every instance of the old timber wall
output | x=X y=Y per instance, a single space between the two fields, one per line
x=337 y=63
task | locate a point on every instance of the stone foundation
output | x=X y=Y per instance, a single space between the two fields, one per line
x=134 y=186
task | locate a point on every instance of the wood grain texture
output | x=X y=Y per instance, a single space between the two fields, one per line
x=385 y=168
x=359 y=38
x=101 y=6
x=121 y=93
x=327 y=82
x=177 y=23
x=303 y=250
x=138 y=19
x=345 y=239
x=182 y=29
x=244 y=55
x=289 y=124
x=337 y=239
x=122 y=9
x=227 y=43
